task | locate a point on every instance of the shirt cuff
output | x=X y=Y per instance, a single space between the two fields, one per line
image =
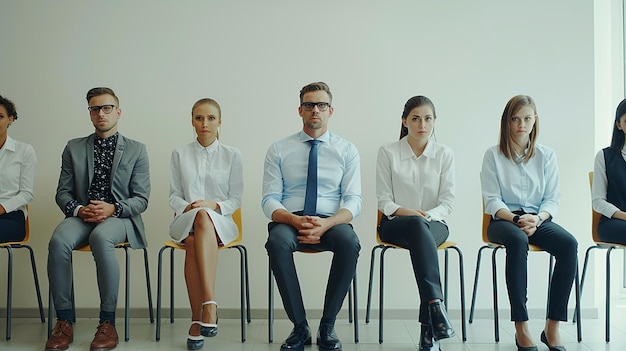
x=118 y=210
x=75 y=212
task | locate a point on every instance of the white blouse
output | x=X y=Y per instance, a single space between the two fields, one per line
x=17 y=175
x=426 y=182
x=599 y=186
x=213 y=173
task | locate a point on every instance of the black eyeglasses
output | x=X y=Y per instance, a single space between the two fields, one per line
x=308 y=106
x=94 y=110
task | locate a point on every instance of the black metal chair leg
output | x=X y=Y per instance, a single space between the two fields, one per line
x=9 y=291
x=577 y=309
x=496 y=323
x=270 y=304
x=582 y=279
x=245 y=252
x=159 y=293
x=127 y=302
x=462 y=292
x=445 y=278
x=381 y=293
x=148 y=289
x=355 y=309
x=607 y=321
x=369 y=285
x=474 y=290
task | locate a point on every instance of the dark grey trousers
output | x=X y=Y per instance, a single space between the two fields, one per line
x=73 y=233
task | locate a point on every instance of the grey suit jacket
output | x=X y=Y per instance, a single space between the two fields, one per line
x=130 y=181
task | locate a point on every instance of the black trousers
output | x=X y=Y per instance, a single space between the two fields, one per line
x=550 y=237
x=612 y=231
x=421 y=238
x=282 y=243
x=12 y=226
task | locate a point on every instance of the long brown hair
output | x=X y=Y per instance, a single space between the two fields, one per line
x=506 y=139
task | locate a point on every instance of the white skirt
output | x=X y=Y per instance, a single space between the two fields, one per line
x=182 y=225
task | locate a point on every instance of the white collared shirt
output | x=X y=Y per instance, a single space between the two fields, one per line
x=212 y=173
x=338 y=173
x=426 y=182
x=531 y=186
x=600 y=184
x=17 y=175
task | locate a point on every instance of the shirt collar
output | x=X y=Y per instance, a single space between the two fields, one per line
x=199 y=148
x=304 y=137
x=112 y=138
x=406 y=152
x=9 y=144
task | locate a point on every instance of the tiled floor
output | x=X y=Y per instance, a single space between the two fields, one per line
x=30 y=334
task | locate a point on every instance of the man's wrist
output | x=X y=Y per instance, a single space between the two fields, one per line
x=118 y=210
x=539 y=220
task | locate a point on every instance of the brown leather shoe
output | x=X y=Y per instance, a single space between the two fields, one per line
x=61 y=337
x=105 y=338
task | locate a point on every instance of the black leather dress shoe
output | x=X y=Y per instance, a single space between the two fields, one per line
x=427 y=343
x=299 y=337
x=442 y=328
x=327 y=339
x=544 y=340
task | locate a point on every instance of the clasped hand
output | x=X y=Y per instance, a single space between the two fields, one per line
x=310 y=228
x=201 y=204
x=528 y=223
x=96 y=212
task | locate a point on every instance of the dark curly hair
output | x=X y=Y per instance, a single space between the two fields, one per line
x=9 y=106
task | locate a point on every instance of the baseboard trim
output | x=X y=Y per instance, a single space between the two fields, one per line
x=234 y=313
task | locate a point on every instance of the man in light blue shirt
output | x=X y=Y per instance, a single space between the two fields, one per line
x=287 y=200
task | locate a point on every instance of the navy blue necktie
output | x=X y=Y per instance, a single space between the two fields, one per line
x=310 y=199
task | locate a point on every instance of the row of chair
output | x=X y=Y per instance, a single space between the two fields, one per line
x=352 y=297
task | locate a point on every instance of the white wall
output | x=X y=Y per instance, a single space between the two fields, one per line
x=253 y=57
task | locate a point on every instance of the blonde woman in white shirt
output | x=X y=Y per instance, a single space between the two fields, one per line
x=206 y=184
x=415 y=190
x=17 y=177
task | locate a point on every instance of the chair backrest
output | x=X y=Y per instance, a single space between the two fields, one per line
x=595 y=216
x=237 y=219
x=27 y=225
x=486 y=221
x=378 y=218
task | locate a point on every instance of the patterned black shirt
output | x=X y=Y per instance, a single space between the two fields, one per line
x=100 y=189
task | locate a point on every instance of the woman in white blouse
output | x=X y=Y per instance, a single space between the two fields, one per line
x=609 y=183
x=520 y=187
x=17 y=177
x=415 y=190
x=206 y=184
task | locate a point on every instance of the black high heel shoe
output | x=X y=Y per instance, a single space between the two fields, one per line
x=209 y=329
x=544 y=340
x=195 y=342
x=524 y=348
x=427 y=343
x=441 y=326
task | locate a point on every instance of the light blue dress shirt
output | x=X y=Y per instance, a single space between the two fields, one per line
x=532 y=186
x=338 y=174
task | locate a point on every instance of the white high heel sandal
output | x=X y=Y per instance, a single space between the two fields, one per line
x=209 y=329
x=195 y=342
